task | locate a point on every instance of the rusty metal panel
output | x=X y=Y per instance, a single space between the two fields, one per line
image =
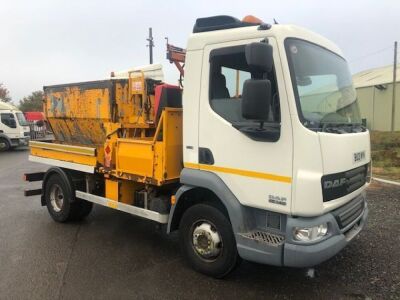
x=77 y=112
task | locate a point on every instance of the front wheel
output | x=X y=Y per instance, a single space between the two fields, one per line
x=207 y=241
x=4 y=145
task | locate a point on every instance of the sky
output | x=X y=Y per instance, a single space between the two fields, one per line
x=45 y=42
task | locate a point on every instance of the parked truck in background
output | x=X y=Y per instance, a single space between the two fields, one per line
x=37 y=124
x=14 y=130
x=263 y=157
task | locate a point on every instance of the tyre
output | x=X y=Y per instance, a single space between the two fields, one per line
x=58 y=196
x=83 y=210
x=207 y=241
x=4 y=145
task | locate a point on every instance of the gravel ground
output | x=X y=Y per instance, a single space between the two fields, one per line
x=112 y=255
x=370 y=266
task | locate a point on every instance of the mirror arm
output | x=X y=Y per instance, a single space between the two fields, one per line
x=271 y=133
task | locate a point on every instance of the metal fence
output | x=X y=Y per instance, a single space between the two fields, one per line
x=38 y=130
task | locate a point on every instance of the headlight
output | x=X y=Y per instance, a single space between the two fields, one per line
x=310 y=234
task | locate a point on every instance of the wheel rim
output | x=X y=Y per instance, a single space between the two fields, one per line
x=5 y=146
x=206 y=240
x=56 y=198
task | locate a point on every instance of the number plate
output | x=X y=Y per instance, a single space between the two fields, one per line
x=358 y=156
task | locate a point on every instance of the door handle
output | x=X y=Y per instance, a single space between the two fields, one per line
x=205 y=156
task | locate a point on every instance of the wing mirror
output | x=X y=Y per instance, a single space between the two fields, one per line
x=256 y=96
x=256 y=99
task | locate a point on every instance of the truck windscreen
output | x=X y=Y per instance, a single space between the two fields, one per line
x=21 y=119
x=322 y=83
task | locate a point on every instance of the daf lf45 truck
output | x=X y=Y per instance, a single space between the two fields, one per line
x=261 y=156
x=14 y=130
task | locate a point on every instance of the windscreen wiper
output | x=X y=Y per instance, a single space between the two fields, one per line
x=342 y=127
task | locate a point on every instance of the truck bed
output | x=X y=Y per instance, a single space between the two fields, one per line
x=156 y=160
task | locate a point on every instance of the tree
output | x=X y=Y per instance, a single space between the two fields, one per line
x=33 y=102
x=4 y=93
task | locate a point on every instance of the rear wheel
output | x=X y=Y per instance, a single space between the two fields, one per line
x=207 y=241
x=61 y=202
x=84 y=208
x=4 y=145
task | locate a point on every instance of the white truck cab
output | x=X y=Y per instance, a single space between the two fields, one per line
x=275 y=158
x=271 y=126
x=14 y=130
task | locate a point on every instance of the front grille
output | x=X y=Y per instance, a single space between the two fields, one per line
x=340 y=184
x=356 y=178
x=348 y=213
x=27 y=134
x=265 y=237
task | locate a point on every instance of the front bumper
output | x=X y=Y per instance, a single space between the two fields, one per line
x=24 y=141
x=301 y=255
x=292 y=253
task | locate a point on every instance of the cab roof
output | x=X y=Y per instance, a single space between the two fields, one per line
x=238 y=30
x=223 y=22
x=7 y=106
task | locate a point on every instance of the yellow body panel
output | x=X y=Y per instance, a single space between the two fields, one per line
x=159 y=159
x=172 y=152
x=156 y=160
x=135 y=157
x=122 y=190
x=112 y=189
x=65 y=155
x=64 y=148
x=127 y=191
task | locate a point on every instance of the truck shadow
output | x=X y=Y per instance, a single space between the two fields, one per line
x=154 y=253
x=135 y=257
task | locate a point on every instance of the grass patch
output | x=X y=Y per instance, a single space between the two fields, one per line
x=385 y=151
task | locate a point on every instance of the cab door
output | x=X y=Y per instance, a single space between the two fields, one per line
x=258 y=172
x=9 y=125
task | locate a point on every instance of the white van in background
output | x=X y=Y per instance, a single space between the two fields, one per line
x=14 y=130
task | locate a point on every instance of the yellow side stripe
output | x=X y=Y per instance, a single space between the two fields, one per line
x=246 y=173
x=64 y=148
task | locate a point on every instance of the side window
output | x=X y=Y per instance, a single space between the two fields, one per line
x=228 y=72
x=8 y=120
x=234 y=80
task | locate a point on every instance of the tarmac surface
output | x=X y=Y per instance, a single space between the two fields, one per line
x=112 y=255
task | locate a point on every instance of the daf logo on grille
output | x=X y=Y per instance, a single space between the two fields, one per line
x=330 y=184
